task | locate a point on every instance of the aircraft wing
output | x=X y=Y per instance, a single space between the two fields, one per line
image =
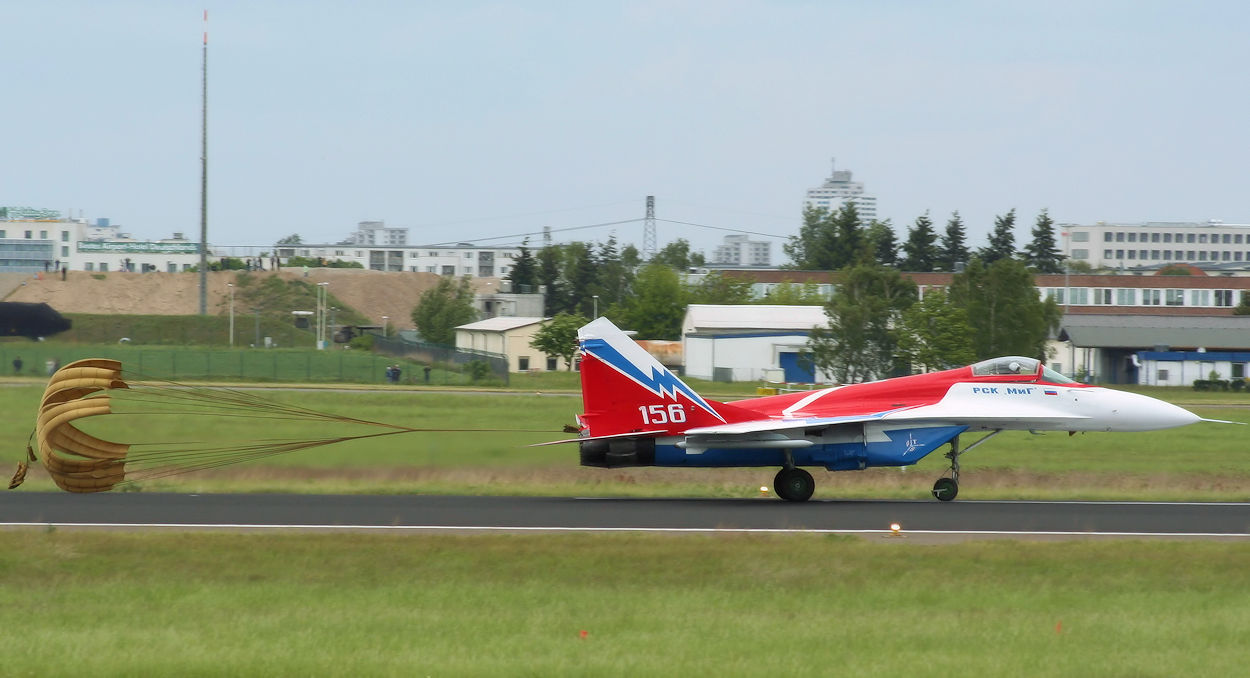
x=1001 y=417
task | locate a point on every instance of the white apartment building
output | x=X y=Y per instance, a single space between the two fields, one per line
x=740 y=250
x=32 y=241
x=376 y=233
x=837 y=190
x=464 y=259
x=1212 y=245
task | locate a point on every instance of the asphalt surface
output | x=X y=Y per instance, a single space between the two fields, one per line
x=409 y=512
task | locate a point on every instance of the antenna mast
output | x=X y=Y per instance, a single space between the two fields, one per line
x=204 y=179
x=648 y=231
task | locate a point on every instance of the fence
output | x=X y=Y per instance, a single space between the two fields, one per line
x=441 y=354
x=261 y=365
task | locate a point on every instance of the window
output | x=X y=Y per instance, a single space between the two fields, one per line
x=1080 y=254
x=468 y=255
x=1202 y=237
x=552 y=365
x=1154 y=237
x=3 y=233
x=1189 y=254
x=1079 y=296
x=1239 y=370
x=1082 y=236
x=1223 y=297
x=1119 y=254
x=1167 y=237
x=1202 y=255
x=1154 y=254
x=64 y=236
x=1106 y=254
x=523 y=363
x=1126 y=297
x=1141 y=254
x=1189 y=237
x=1132 y=237
x=1200 y=297
x=1237 y=255
x=1226 y=255
x=1102 y=296
x=1150 y=297
x=1228 y=238
x=88 y=266
x=1167 y=254
x=1132 y=254
x=65 y=253
x=1106 y=237
x=28 y=234
x=104 y=267
x=43 y=235
x=1162 y=376
x=1236 y=238
x=1119 y=237
x=1175 y=298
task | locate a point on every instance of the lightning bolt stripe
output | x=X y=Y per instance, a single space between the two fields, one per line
x=661 y=381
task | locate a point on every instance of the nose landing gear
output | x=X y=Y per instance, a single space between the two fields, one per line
x=946 y=489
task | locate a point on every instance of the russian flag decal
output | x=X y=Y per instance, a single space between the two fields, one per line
x=1050 y=392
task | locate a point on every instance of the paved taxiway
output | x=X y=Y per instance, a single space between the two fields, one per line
x=412 y=512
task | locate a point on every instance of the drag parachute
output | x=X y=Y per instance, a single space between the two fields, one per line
x=81 y=461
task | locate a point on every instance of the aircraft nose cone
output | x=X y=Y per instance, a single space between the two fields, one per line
x=1136 y=412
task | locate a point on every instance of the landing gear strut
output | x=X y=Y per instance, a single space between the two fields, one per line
x=946 y=489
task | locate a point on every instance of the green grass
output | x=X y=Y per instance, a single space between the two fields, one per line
x=113 y=604
x=1202 y=461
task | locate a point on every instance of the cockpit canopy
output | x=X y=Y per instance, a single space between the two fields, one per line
x=1028 y=369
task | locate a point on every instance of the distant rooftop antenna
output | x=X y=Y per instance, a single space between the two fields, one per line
x=204 y=179
x=648 y=231
x=546 y=236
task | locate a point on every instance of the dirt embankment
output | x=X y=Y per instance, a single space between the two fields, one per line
x=374 y=294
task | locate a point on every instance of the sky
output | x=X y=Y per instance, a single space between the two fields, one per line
x=482 y=121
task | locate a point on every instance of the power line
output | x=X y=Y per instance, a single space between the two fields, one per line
x=522 y=235
x=722 y=228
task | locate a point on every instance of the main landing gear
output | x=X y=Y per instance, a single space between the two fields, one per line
x=946 y=489
x=793 y=483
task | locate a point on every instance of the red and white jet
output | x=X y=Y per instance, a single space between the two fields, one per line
x=638 y=413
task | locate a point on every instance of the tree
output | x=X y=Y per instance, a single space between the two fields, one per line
x=811 y=249
x=292 y=239
x=919 y=253
x=884 y=244
x=657 y=305
x=614 y=277
x=675 y=254
x=581 y=269
x=1002 y=239
x=848 y=247
x=953 y=249
x=558 y=337
x=549 y=270
x=865 y=310
x=442 y=308
x=716 y=288
x=630 y=257
x=934 y=333
x=524 y=273
x=1004 y=311
x=1041 y=253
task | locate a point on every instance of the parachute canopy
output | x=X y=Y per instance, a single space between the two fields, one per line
x=78 y=461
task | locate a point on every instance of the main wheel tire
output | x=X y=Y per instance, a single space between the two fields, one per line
x=945 y=489
x=794 y=484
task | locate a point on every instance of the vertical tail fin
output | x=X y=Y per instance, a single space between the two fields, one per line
x=626 y=390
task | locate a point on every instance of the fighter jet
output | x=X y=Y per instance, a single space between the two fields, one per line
x=638 y=413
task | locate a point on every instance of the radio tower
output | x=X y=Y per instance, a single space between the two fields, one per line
x=204 y=180
x=648 y=231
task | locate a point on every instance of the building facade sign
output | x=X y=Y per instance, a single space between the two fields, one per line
x=139 y=247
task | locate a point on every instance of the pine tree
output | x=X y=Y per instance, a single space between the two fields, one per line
x=919 y=252
x=953 y=249
x=880 y=234
x=849 y=237
x=550 y=262
x=524 y=273
x=1002 y=239
x=1041 y=253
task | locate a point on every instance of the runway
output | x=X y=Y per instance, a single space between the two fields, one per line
x=563 y=514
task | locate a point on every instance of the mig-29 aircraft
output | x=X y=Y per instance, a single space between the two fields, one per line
x=638 y=413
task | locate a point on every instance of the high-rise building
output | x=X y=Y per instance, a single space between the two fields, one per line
x=837 y=190
x=376 y=233
x=740 y=250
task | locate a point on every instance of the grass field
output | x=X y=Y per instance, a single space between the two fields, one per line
x=126 y=604
x=1198 y=462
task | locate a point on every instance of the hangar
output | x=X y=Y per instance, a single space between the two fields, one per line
x=750 y=342
x=1162 y=350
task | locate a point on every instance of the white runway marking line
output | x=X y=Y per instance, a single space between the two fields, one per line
x=679 y=530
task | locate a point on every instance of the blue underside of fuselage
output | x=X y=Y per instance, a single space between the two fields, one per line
x=905 y=447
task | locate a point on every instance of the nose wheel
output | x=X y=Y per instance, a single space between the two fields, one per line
x=946 y=489
x=794 y=484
